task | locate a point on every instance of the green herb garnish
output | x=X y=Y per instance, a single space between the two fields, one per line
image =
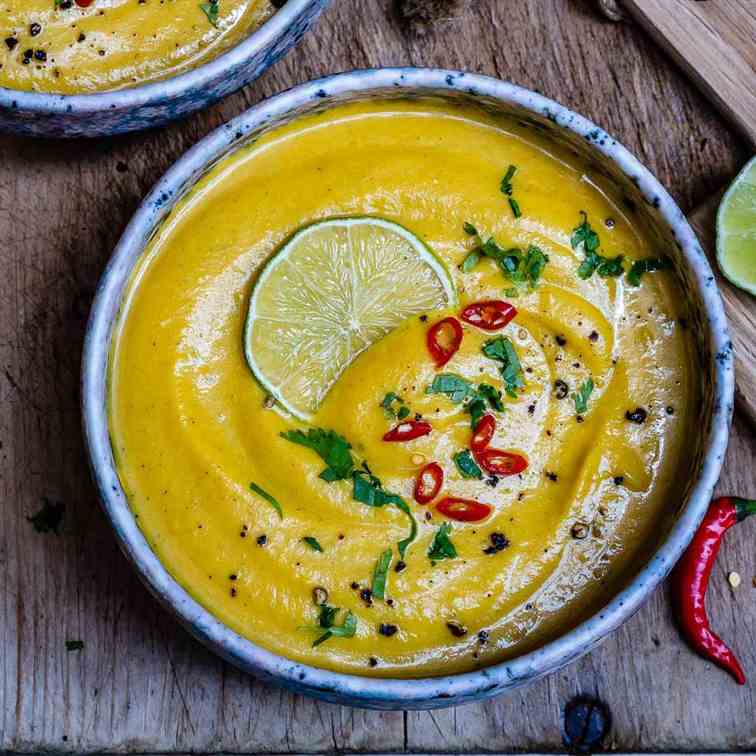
x=502 y=350
x=467 y=465
x=327 y=620
x=582 y=395
x=647 y=265
x=454 y=386
x=398 y=412
x=74 y=645
x=593 y=262
x=313 y=543
x=332 y=448
x=492 y=395
x=265 y=495
x=441 y=546
x=369 y=490
x=49 y=517
x=211 y=9
x=506 y=189
x=459 y=389
x=380 y=575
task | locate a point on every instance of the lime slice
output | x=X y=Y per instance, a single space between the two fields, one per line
x=736 y=230
x=331 y=291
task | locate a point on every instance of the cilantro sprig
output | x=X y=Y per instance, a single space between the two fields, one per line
x=394 y=407
x=313 y=543
x=523 y=268
x=335 y=451
x=460 y=390
x=211 y=10
x=507 y=189
x=380 y=575
x=270 y=499
x=502 y=350
x=332 y=448
x=587 y=240
x=441 y=547
x=646 y=265
x=581 y=397
x=466 y=465
x=327 y=621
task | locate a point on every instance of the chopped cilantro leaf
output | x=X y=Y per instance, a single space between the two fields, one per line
x=472 y=259
x=49 y=518
x=493 y=395
x=380 y=574
x=582 y=395
x=313 y=543
x=394 y=406
x=502 y=350
x=467 y=465
x=369 y=490
x=646 y=265
x=585 y=235
x=265 y=495
x=455 y=387
x=332 y=448
x=347 y=629
x=441 y=547
x=476 y=408
x=211 y=9
x=593 y=262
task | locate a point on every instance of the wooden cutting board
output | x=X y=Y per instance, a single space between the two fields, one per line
x=715 y=43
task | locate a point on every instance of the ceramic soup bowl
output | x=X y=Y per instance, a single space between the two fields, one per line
x=639 y=190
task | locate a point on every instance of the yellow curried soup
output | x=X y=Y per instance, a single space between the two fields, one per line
x=191 y=431
x=60 y=47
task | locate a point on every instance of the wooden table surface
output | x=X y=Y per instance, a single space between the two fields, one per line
x=141 y=684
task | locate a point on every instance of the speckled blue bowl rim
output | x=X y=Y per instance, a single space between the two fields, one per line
x=157 y=92
x=346 y=688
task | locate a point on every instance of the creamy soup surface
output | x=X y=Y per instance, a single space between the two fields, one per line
x=111 y=44
x=191 y=429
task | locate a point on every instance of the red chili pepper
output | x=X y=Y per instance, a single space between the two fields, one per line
x=84 y=3
x=498 y=462
x=691 y=579
x=443 y=340
x=408 y=430
x=428 y=483
x=490 y=315
x=483 y=433
x=463 y=510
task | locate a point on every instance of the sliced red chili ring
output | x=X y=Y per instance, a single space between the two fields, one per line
x=483 y=433
x=463 y=510
x=490 y=315
x=443 y=340
x=408 y=430
x=498 y=462
x=428 y=483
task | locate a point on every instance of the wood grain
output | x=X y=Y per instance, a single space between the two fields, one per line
x=715 y=43
x=741 y=312
x=141 y=683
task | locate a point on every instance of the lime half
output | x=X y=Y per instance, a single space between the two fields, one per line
x=331 y=291
x=736 y=230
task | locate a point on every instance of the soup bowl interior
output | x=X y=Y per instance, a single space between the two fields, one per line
x=147 y=106
x=628 y=183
